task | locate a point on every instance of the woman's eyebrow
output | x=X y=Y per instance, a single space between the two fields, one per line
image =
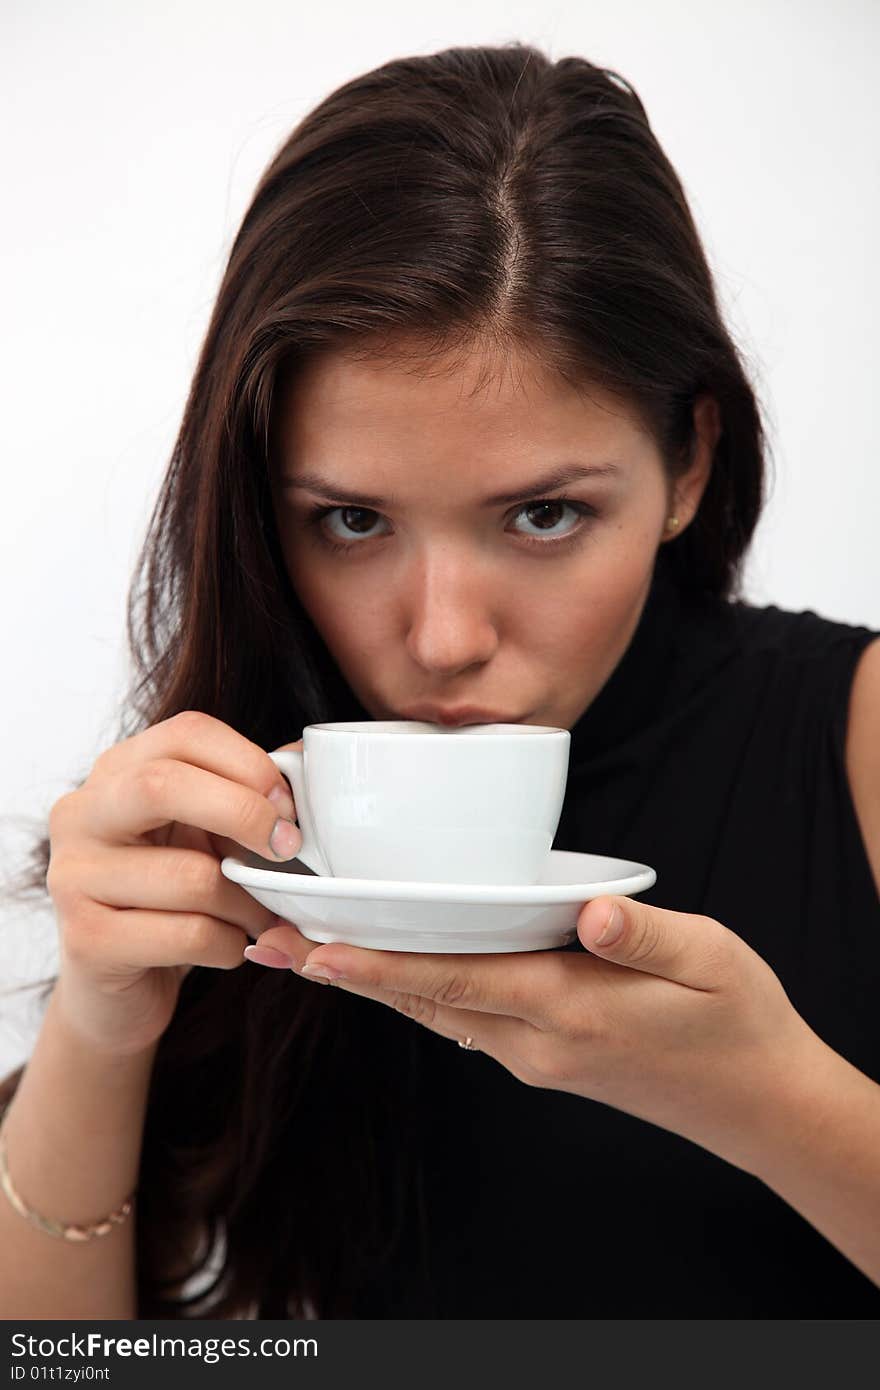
x=559 y=477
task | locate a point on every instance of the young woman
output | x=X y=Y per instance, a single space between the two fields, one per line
x=467 y=440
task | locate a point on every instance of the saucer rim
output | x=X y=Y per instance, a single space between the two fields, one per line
x=640 y=880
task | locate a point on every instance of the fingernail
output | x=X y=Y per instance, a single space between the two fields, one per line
x=267 y=955
x=322 y=972
x=613 y=928
x=285 y=839
x=281 y=798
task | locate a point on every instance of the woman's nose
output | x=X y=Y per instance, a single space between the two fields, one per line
x=451 y=615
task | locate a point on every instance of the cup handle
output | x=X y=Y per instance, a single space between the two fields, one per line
x=290 y=761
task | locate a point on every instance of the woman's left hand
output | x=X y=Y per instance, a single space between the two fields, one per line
x=676 y=1020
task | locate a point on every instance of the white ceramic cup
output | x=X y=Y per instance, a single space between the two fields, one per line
x=413 y=801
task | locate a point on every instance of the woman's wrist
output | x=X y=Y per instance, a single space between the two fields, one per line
x=819 y=1153
x=810 y=1099
x=72 y=1136
x=787 y=1103
x=761 y=1105
x=80 y=1024
x=73 y=1128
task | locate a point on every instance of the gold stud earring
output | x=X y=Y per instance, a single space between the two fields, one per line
x=672 y=523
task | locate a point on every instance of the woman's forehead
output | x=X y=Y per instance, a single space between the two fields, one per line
x=522 y=404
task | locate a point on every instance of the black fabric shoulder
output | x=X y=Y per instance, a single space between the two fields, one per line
x=816 y=658
x=799 y=634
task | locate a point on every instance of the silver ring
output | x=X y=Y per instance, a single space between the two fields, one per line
x=469 y=1044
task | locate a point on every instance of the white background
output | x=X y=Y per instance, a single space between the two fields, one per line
x=132 y=138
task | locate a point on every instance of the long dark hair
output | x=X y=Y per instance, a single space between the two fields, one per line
x=475 y=196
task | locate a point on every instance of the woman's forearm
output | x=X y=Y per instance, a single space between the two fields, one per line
x=73 y=1139
x=820 y=1152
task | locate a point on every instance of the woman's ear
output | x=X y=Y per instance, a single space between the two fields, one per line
x=689 y=486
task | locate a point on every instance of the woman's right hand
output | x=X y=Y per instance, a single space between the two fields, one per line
x=135 y=877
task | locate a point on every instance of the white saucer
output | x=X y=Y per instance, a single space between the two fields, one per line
x=396 y=915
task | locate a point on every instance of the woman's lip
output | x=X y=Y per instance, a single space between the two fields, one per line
x=461 y=714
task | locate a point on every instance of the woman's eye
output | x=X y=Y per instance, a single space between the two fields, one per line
x=343 y=528
x=354 y=521
x=548 y=514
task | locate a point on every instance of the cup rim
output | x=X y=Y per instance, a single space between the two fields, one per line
x=417 y=728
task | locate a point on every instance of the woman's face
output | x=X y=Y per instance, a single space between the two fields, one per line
x=452 y=577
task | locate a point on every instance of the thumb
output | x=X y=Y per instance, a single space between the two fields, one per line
x=284 y=747
x=678 y=946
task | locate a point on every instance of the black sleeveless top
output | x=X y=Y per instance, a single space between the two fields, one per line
x=715 y=753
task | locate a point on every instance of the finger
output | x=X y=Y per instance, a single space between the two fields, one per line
x=506 y=1040
x=489 y=1032
x=177 y=835
x=528 y=985
x=139 y=799
x=679 y=946
x=284 y=941
x=170 y=880
x=129 y=938
x=197 y=738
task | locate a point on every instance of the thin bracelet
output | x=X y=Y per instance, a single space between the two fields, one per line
x=44 y=1223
